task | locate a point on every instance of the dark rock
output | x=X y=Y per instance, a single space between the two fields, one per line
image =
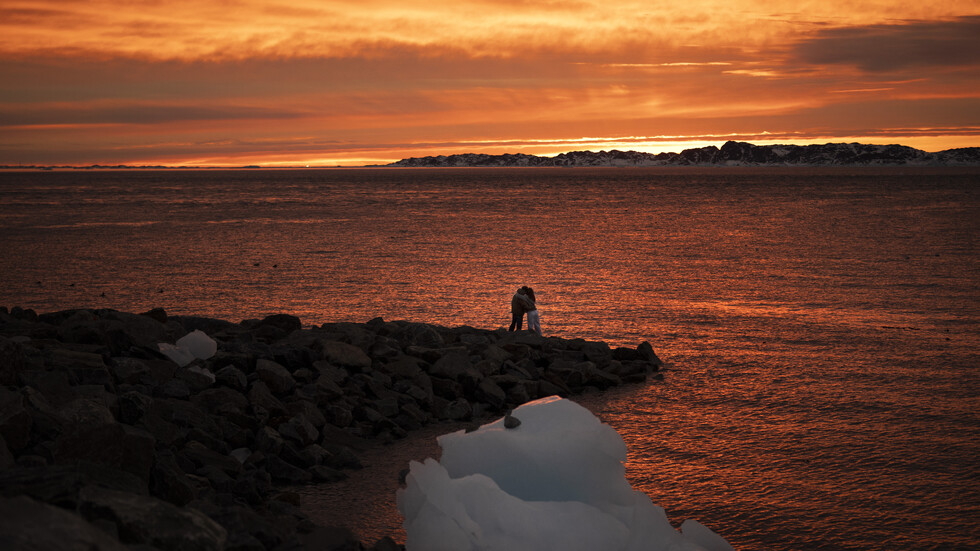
x=489 y=392
x=343 y=354
x=287 y=323
x=488 y=367
x=150 y=521
x=13 y=360
x=450 y=365
x=446 y=388
x=322 y=473
x=276 y=377
x=266 y=333
x=299 y=430
x=518 y=394
x=169 y=482
x=458 y=410
x=187 y=414
x=511 y=422
x=341 y=456
x=308 y=410
x=284 y=473
x=59 y=484
x=253 y=485
x=387 y=407
x=628 y=354
x=221 y=400
x=6 y=457
x=420 y=334
x=384 y=350
x=232 y=377
x=31 y=461
x=54 y=385
x=84 y=413
x=330 y=372
x=15 y=421
x=260 y=395
x=174 y=388
x=268 y=440
x=202 y=456
x=403 y=366
x=116 y=445
x=208 y=325
x=339 y=415
x=85 y=368
x=324 y=538
x=386 y=544
x=598 y=353
x=645 y=349
x=247 y=530
x=157 y=314
x=551 y=388
x=197 y=379
x=217 y=478
x=130 y=370
x=351 y=333
x=27 y=525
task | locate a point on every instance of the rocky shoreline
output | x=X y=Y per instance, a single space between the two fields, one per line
x=107 y=444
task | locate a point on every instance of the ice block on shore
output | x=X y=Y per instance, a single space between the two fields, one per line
x=555 y=481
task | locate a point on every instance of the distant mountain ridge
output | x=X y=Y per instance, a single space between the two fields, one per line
x=730 y=154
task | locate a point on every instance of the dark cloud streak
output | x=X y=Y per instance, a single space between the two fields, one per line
x=134 y=114
x=880 y=48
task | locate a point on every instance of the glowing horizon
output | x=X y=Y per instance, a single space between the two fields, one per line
x=327 y=83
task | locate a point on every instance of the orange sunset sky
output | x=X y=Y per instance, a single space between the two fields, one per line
x=318 y=82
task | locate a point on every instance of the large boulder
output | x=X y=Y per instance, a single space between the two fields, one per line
x=646 y=352
x=116 y=445
x=16 y=423
x=150 y=521
x=420 y=334
x=12 y=361
x=451 y=365
x=276 y=377
x=85 y=368
x=28 y=525
x=118 y=331
x=232 y=377
x=285 y=322
x=343 y=354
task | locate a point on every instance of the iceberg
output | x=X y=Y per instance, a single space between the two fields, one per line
x=194 y=345
x=555 y=481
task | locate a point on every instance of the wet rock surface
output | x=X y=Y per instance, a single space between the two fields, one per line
x=111 y=445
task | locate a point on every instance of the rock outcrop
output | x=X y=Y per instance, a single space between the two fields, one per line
x=110 y=441
x=730 y=154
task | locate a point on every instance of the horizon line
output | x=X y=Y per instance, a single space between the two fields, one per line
x=253 y=166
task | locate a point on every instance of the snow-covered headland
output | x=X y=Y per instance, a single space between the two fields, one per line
x=185 y=432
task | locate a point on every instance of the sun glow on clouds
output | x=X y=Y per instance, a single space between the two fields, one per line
x=328 y=82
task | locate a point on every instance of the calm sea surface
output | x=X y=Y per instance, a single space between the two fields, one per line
x=821 y=327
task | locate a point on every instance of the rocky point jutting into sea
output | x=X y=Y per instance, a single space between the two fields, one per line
x=106 y=443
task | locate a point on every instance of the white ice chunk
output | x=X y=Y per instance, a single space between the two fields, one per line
x=557 y=481
x=196 y=344
x=199 y=344
x=703 y=536
x=180 y=356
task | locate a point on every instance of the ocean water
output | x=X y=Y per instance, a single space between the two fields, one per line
x=821 y=326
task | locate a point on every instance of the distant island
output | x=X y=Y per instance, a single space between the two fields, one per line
x=731 y=154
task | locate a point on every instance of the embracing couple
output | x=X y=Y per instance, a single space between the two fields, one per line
x=523 y=302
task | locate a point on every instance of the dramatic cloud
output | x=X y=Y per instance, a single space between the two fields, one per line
x=924 y=44
x=329 y=81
